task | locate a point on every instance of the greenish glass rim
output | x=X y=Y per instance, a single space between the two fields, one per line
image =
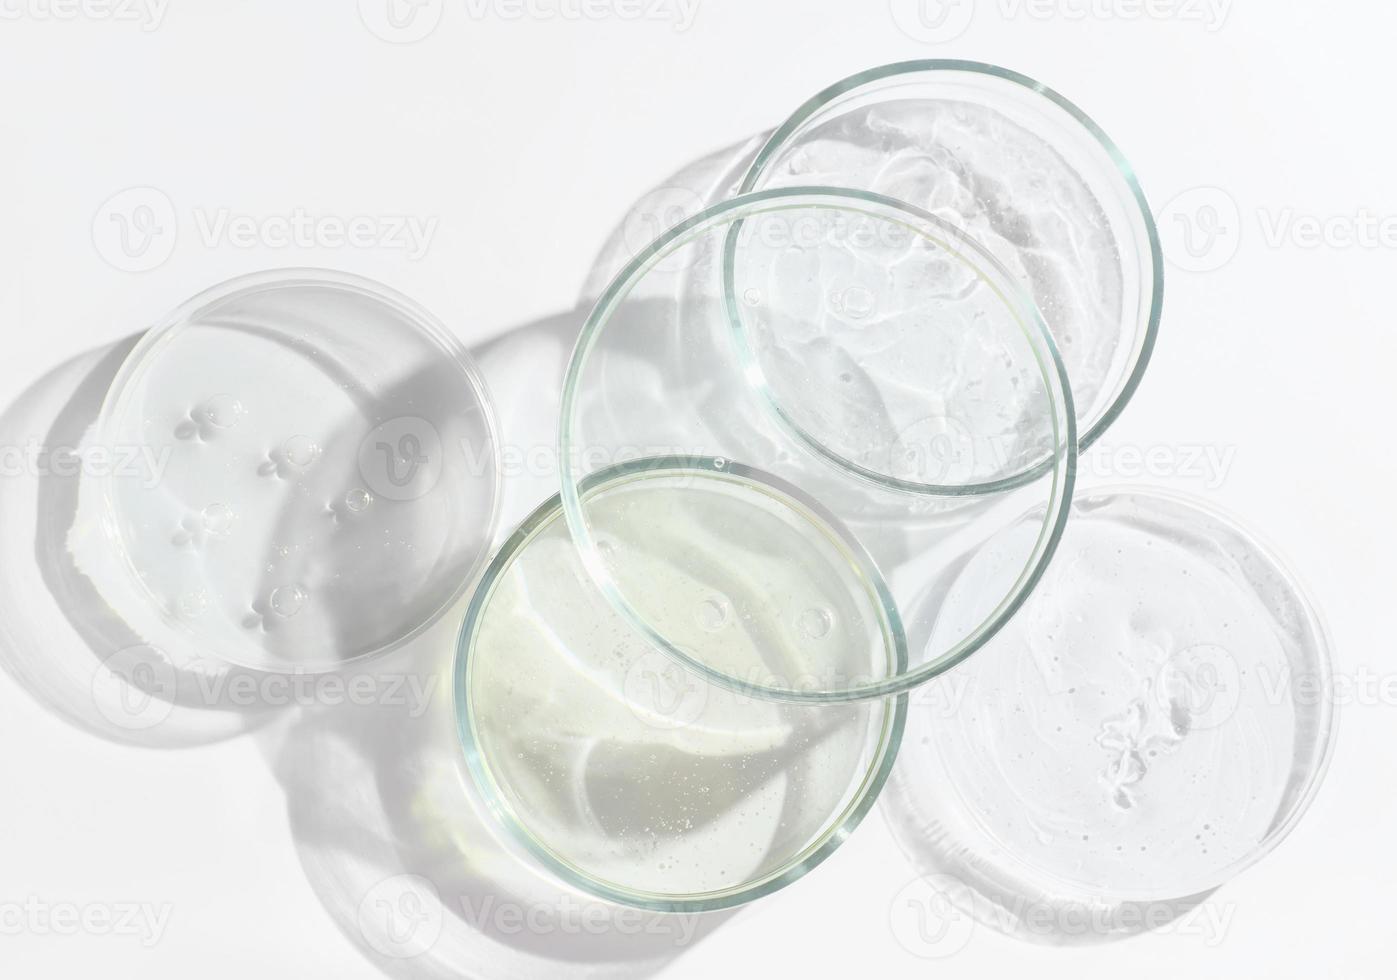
x=1063 y=417
x=478 y=767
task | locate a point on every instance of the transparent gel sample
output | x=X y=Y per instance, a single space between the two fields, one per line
x=678 y=367
x=1014 y=164
x=1023 y=172
x=1154 y=718
x=629 y=776
x=324 y=479
x=893 y=357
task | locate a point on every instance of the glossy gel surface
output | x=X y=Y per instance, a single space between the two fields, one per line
x=630 y=776
x=326 y=479
x=1151 y=721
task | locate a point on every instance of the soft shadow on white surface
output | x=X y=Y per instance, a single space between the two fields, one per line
x=405 y=857
x=392 y=838
x=114 y=673
x=963 y=879
x=930 y=826
x=392 y=835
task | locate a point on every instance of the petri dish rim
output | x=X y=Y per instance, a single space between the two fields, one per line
x=777 y=140
x=1064 y=433
x=478 y=768
x=1327 y=729
x=158 y=337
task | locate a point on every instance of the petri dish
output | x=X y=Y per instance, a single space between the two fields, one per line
x=1157 y=717
x=677 y=373
x=1021 y=170
x=622 y=773
x=318 y=477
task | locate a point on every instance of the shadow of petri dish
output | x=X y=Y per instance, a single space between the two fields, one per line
x=403 y=853
x=329 y=474
x=628 y=777
x=1156 y=718
x=697 y=185
x=1022 y=171
x=72 y=633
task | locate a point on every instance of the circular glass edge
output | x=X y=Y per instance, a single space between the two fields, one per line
x=1146 y=346
x=1063 y=472
x=1326 y=731
x=160 y=335
x=478 y=767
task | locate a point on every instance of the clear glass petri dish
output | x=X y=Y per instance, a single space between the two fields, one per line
x=844 y=298
x=1021 y=170
x=312 y=471
x=1157 y=718
x=621 y=772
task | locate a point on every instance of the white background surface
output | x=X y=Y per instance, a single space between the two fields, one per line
x=525 y=140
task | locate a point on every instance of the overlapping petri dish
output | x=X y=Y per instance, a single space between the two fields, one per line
x=818 y=529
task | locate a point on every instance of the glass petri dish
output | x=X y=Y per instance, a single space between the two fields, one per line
x=313 y=471
x=1157 y=718
x=1021 y=170
x=622 y=773
x=681 y=379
